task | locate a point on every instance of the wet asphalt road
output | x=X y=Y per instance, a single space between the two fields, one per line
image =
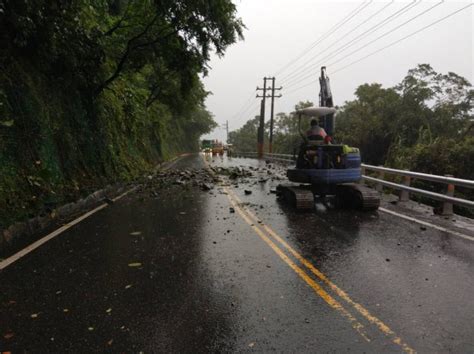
x=178 y=271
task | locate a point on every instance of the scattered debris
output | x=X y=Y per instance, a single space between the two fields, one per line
x=206 y=186
x=135 y=233
x=247 y=192
x=134 y=264
x=8 y=335
x=231 y=210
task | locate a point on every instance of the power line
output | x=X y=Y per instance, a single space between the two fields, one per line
x=387 y=33
x=250 y=108
x=401 y=39
x=302 y=87
x=387 y=46
x=325 y=35
x=337 y=40
x=372 y=41
x=358 y=38
x=246 y=104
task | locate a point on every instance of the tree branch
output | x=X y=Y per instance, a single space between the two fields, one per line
x=119 y=22
x=125 y=55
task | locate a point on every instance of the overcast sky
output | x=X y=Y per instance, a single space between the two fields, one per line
x=279 y=31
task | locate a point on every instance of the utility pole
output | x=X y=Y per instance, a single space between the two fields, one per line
x=261 y=128
x=227 y=132
x=270 y=144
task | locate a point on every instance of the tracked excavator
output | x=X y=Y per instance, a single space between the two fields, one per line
x=324 y=170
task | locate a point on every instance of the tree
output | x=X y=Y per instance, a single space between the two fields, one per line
x=244 y=139
x=285 y=137
x=179 y=34
x=98 y=91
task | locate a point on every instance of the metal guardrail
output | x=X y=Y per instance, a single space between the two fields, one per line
x=448 y=199
x=423 y=176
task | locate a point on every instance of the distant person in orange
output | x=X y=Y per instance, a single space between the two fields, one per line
x=316 y=132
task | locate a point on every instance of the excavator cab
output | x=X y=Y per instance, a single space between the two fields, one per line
x=326 y=169
x=321 y=163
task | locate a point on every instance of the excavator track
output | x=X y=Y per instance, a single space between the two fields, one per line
x=358 y=196
x=349 y=195
x=301 y=198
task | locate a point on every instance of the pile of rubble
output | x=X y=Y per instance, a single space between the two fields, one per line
x=189 y=177
x=232 y=172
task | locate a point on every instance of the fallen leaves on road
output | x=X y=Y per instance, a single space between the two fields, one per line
x=134 y=264
x=128 y=286
x=8 y=335
x=135 y=233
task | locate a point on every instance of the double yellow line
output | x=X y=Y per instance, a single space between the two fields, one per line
x=282 y=249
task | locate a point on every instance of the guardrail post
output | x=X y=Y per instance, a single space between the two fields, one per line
x=362 y=173
x=448 y=207
x=379 y=186
x=405 y=195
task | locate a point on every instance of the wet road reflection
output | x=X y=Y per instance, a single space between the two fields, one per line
x=178 y=269
x=404 y=274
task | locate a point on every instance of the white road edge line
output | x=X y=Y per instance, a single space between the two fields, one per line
x=10 y=260
x=440 y=228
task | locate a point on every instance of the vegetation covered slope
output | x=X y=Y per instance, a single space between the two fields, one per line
x=97 y=91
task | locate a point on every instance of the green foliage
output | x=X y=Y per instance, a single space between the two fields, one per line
x=286 y=137
x=97 y=91
x=425 y=124
x=245 y=138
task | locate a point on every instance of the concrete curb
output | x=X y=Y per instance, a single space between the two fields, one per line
x=40 y=223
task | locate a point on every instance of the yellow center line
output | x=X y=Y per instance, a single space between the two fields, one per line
x=341 y=293
x=359 y=327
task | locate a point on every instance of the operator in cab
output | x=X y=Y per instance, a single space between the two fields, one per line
x=316 y=132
